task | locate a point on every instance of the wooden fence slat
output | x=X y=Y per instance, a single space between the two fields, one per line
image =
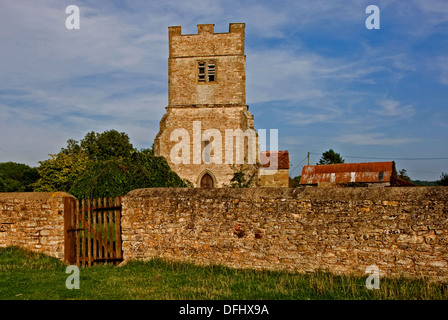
x=106 y=229
x=89 y=236
x=82 y=234
x=117 y=219
x=95 y=246
x=100 y=231
x=111 y=228
x=75 y=216
x=83 y=230
x=103 y=232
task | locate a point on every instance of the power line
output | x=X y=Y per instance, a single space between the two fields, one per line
x=389 y=158
x=375 y=158
x=299 y=163
x=396 y=158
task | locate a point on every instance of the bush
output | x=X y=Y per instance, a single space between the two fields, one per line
x=104 y=165
x=17 y=177
x=443 y=180
x=116 y=177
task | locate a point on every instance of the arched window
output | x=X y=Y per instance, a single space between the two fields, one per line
x=207 y=181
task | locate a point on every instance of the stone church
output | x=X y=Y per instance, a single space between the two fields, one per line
x=207 y=133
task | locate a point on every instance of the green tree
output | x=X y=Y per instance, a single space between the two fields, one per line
x=116 y=177
x=107 y=145
x=61 y=171
x=295 y=182
x=443 y=180
x=103 y=165
x=243 y=177
x=403 y=174
x=330 y=157
x=17 y=177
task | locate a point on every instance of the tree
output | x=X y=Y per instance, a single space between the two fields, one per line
x=295 y=182
x=104 y=165
x=17 y=177
x=243 y=177
x=61 y=171
x=330 y=157
x=118 y=176
x=402 y=174
x=101 y=146
x=2 y=185
x=443 y=180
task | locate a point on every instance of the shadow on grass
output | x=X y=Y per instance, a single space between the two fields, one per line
x=28 y=275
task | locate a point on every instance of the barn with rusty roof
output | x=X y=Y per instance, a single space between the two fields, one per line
x=381 y=174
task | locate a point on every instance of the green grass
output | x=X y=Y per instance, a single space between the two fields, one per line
x=27 y=275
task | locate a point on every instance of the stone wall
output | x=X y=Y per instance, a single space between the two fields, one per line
x=403 y=231
x=33 y=221
x=277 y=178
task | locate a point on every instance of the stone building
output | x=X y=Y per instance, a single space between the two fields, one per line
x=207 y=132
x=277 y=175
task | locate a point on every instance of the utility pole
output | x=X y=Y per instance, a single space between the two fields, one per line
x=308 y=158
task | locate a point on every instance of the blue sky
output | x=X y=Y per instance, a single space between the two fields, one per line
x=314 y=72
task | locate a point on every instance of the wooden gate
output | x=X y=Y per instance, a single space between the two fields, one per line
x=94 y=231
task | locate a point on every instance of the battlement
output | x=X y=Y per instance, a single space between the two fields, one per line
x=207 y=68
x=206 y=42
x=206 y=29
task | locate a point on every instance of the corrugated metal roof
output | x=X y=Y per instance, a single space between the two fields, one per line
x=367 y=172
x=282 y=162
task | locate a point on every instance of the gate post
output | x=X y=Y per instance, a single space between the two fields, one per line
x=70 y=229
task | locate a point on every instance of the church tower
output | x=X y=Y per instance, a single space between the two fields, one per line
x=206 y=103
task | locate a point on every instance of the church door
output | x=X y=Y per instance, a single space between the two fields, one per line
x=206 y=181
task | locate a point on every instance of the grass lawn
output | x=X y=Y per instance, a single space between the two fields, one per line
x=26 y=275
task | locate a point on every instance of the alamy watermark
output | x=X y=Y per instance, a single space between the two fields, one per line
x=72 y=281
x=237 y=147
x=373 y=20
x=73 y=20
x=373 y=280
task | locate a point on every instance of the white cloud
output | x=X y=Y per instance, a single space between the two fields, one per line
x=373 y=139
x=302 y=119
x=58 y=84
x=299 y=75
x=436 y=9
x=440 y=65
x=393 y=108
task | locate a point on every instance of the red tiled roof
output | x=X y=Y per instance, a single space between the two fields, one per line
x=349 y=172
x=282 y=159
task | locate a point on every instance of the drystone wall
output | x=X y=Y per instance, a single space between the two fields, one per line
x=33 y=221
x=402 y=231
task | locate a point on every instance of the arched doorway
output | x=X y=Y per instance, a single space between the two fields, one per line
x=207 y=181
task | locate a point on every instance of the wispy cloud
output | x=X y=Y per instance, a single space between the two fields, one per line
x=393 y=108
x=374 y=139
x=440 y=65
x=312 y=69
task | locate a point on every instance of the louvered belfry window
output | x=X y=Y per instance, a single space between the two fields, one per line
x=206 y=71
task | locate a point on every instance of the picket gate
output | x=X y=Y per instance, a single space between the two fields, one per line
x=93 y=231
